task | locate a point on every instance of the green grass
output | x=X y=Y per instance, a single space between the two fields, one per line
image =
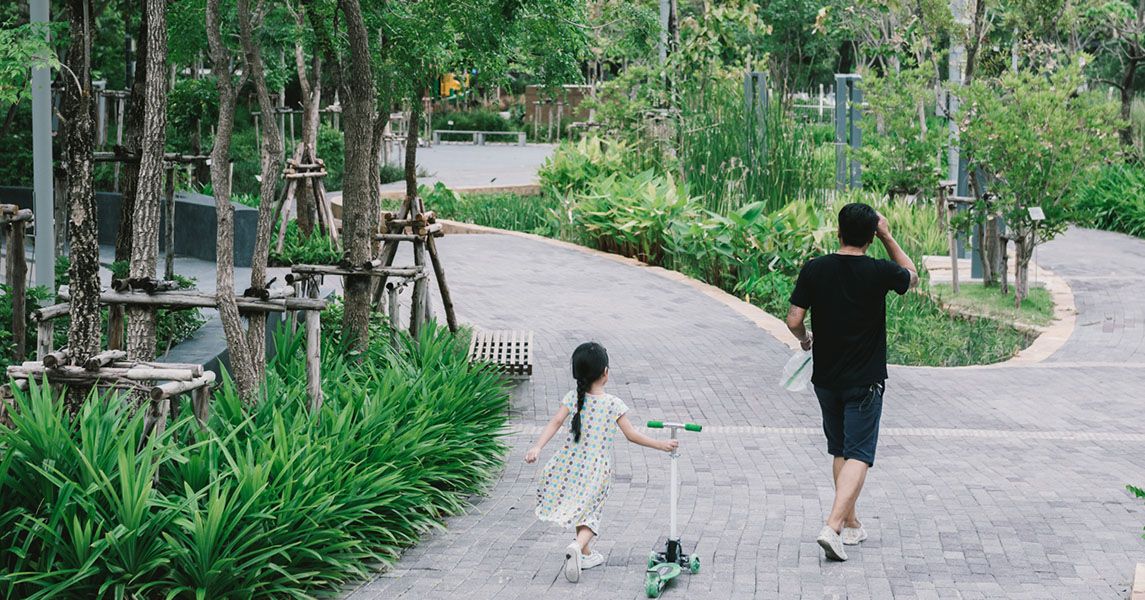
x=530 y=214
x=920 y=333
x=266 y=501
x=1037 y=308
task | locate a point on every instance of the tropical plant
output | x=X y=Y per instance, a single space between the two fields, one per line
x=575 y=165
x=633 y=214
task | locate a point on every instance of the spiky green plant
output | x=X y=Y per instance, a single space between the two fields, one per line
x=268 y=501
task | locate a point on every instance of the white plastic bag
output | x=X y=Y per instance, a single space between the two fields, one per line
x=797 y=372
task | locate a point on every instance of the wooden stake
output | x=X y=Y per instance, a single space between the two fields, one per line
x=313 y=360
x=18 y=283
x=417 y=310
x=44 y=333
x=442 y=286
x=169 y=265
x=392 y=291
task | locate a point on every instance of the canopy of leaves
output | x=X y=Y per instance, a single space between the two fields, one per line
x=1037 y=136
x=22 y=48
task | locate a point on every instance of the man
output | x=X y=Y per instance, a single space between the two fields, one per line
x=846 y=293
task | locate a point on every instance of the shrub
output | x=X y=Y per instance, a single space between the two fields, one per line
x=268 y=501
x=633 y=215
x=1114 y=200
x=318 y=249
x=35 y=297
x=575 y=165
x=470 y=120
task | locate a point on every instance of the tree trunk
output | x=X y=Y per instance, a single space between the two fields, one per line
x=79 y=139
x=311 y=102
x=358 y=217
x=1024 y=248
x=149 y=188
x=411 y=148
x=132 y=142
x=1126 y=132
x=241 y=369
x=271 y=150
x=991 y=251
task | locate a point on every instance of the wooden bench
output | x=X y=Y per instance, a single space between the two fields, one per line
x=478 y=137
x=511 y=352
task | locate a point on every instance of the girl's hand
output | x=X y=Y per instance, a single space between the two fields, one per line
x=531 y=455
x=669 y=445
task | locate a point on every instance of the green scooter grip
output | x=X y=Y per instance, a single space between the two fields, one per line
x=655 y=424
x=692 y=427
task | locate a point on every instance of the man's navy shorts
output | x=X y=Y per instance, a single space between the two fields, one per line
x=851 y=420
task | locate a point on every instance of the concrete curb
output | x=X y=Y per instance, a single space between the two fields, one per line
x=1050 y=340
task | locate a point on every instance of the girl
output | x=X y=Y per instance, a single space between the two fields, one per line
x=576 y=479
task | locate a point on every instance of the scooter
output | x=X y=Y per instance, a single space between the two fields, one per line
x=667 y=565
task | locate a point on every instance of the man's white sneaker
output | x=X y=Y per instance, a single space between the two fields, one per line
x=853 y=535
x=572 y=562
x=831 y=543
x=592 y=560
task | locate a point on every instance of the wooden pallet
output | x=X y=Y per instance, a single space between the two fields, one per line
x=511 y=352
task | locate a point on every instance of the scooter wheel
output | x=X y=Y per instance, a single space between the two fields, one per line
x=694 y=564
x=652 y=585
x=653 y=559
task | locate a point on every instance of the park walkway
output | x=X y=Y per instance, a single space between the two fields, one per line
x=990 y=483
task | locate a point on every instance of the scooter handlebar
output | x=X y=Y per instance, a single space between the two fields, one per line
x=684 y=426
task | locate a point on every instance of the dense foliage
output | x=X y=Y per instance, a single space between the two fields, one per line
x=264 y=502
x=1114 y=200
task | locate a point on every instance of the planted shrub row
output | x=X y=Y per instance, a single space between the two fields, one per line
x=266 y=501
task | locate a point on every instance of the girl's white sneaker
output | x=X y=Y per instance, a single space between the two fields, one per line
x=592 y=560
x=572 y=562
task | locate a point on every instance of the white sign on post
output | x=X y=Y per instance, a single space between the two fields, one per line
x=1037 y=214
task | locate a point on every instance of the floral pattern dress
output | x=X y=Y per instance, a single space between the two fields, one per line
x=575 y=481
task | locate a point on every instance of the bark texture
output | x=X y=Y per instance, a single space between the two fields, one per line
x=149 y=187
x=311 y=102
x=271 y=151
x=241 y=369
x=132 y=142
x=79 y=141
x=358 y=216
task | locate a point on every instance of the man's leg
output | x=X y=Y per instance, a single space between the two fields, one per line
x=848 y=484
x=863 y=408
x=850 y=519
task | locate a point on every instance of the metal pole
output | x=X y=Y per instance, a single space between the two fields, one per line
x=42 y=162
x=840 y=132
x=856 y=132
x=672 y=535
x=665 y=11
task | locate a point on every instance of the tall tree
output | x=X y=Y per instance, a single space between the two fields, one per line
x=242 y=367
x=149 y=187
x=271 y=154
x=309 y=73
x=359 y=214
x=78 y=112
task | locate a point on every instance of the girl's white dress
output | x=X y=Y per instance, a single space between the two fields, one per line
x=576 y=479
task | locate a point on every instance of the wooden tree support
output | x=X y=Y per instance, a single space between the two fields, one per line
x=161 y=382
x=295 y=173
x=280 y=299
x=13 y=229
x=418 y=226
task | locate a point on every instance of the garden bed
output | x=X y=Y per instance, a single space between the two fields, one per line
x=268 y=501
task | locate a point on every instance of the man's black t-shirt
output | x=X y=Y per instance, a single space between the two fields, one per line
x=847 y=298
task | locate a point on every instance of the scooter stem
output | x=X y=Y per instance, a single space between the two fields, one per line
x=675 y=491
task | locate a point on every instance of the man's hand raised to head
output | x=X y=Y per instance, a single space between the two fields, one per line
x=883 y=229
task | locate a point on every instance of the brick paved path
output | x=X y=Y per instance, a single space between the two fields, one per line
x=990 y=483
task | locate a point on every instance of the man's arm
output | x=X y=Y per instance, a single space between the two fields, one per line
x=896 y=253
x=795 y=318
